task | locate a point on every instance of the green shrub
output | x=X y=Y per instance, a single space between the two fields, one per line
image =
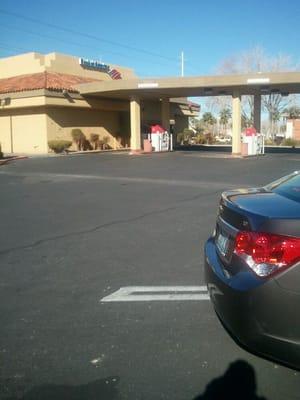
x=185 y=137
x=59 y=146
x=188 y=135
x=188 y=132
x=78 y=137
x=76 y=134
x=200 y=138
x=94 y=139
x=290 y=142
x=269 y=142
x=209 y=137
x=105 y=142
x=180 y=138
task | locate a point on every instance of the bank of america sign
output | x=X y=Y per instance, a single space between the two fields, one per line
x=99 y=66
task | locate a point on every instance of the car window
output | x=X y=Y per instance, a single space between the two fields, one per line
x=289 y=187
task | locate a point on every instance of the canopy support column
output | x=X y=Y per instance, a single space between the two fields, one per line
x=236 y=123
x=135 y=125
x=165 y=113
x=257 y=112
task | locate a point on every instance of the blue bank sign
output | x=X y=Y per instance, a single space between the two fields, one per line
x=99 y=66
x=96 y=65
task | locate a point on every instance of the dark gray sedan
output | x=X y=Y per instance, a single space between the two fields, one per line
x=252 y=268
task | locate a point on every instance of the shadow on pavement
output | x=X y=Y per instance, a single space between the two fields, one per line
x=104 y=389
x=237 y=383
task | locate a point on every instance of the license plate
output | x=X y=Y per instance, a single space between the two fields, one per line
x=222 y=243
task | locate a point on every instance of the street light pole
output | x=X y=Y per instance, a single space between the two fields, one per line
x=182 y=63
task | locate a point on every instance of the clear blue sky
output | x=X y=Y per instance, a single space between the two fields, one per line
x=207 y=31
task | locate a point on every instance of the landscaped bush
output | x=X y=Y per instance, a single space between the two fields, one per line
x=200 y=138
x=209 y=137
x=185 y=137
x=94 y=139
x=188 y=132
x=290 y=142
x=269 y=142
x=78 y=137
x=59 y=146
x=188 y=137
x=104 y=142
x=180 y=138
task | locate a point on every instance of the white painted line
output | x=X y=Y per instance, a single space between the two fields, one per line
x=158 y=293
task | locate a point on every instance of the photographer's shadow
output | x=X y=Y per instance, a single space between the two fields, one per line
x=237 y=383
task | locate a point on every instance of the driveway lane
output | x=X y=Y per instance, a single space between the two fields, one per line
x=54 y=329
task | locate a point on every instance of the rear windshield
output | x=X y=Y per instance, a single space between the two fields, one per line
x=288 y=186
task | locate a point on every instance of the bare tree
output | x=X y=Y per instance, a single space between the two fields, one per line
x=256 y=60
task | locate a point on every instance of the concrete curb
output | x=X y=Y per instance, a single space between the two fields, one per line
x=75 y=153
x=7 y=160
x=147 y=153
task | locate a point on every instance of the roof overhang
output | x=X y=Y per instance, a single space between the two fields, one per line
x=264 y=83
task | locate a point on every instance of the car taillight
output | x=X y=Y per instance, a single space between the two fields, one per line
x=266 y=253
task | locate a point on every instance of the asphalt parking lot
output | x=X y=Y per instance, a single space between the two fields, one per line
x=75 y=230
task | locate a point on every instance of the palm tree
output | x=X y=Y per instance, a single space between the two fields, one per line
x=208 y=119
x=292 y=112
x=225 y=116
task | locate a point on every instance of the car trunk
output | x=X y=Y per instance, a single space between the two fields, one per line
x=257 y=210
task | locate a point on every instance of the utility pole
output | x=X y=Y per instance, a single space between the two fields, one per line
x=182 y=63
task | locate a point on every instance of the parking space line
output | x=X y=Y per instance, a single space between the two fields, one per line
x=157 y=293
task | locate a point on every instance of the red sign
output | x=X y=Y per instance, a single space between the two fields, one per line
x=157 y=129
x=250 y=131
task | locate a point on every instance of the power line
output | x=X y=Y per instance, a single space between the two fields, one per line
x=42 y=35
x=17 y=48
x=68 y=30
x=10 y=52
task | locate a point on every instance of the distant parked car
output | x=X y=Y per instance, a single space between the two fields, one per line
x=252 y=268
x=223 y=139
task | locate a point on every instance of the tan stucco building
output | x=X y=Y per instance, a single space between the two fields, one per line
x=40 y=101
x=293 y=129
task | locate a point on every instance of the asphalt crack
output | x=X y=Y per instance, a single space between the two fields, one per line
x=108 y=224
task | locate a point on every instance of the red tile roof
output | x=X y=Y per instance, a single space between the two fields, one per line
x=43 y=80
